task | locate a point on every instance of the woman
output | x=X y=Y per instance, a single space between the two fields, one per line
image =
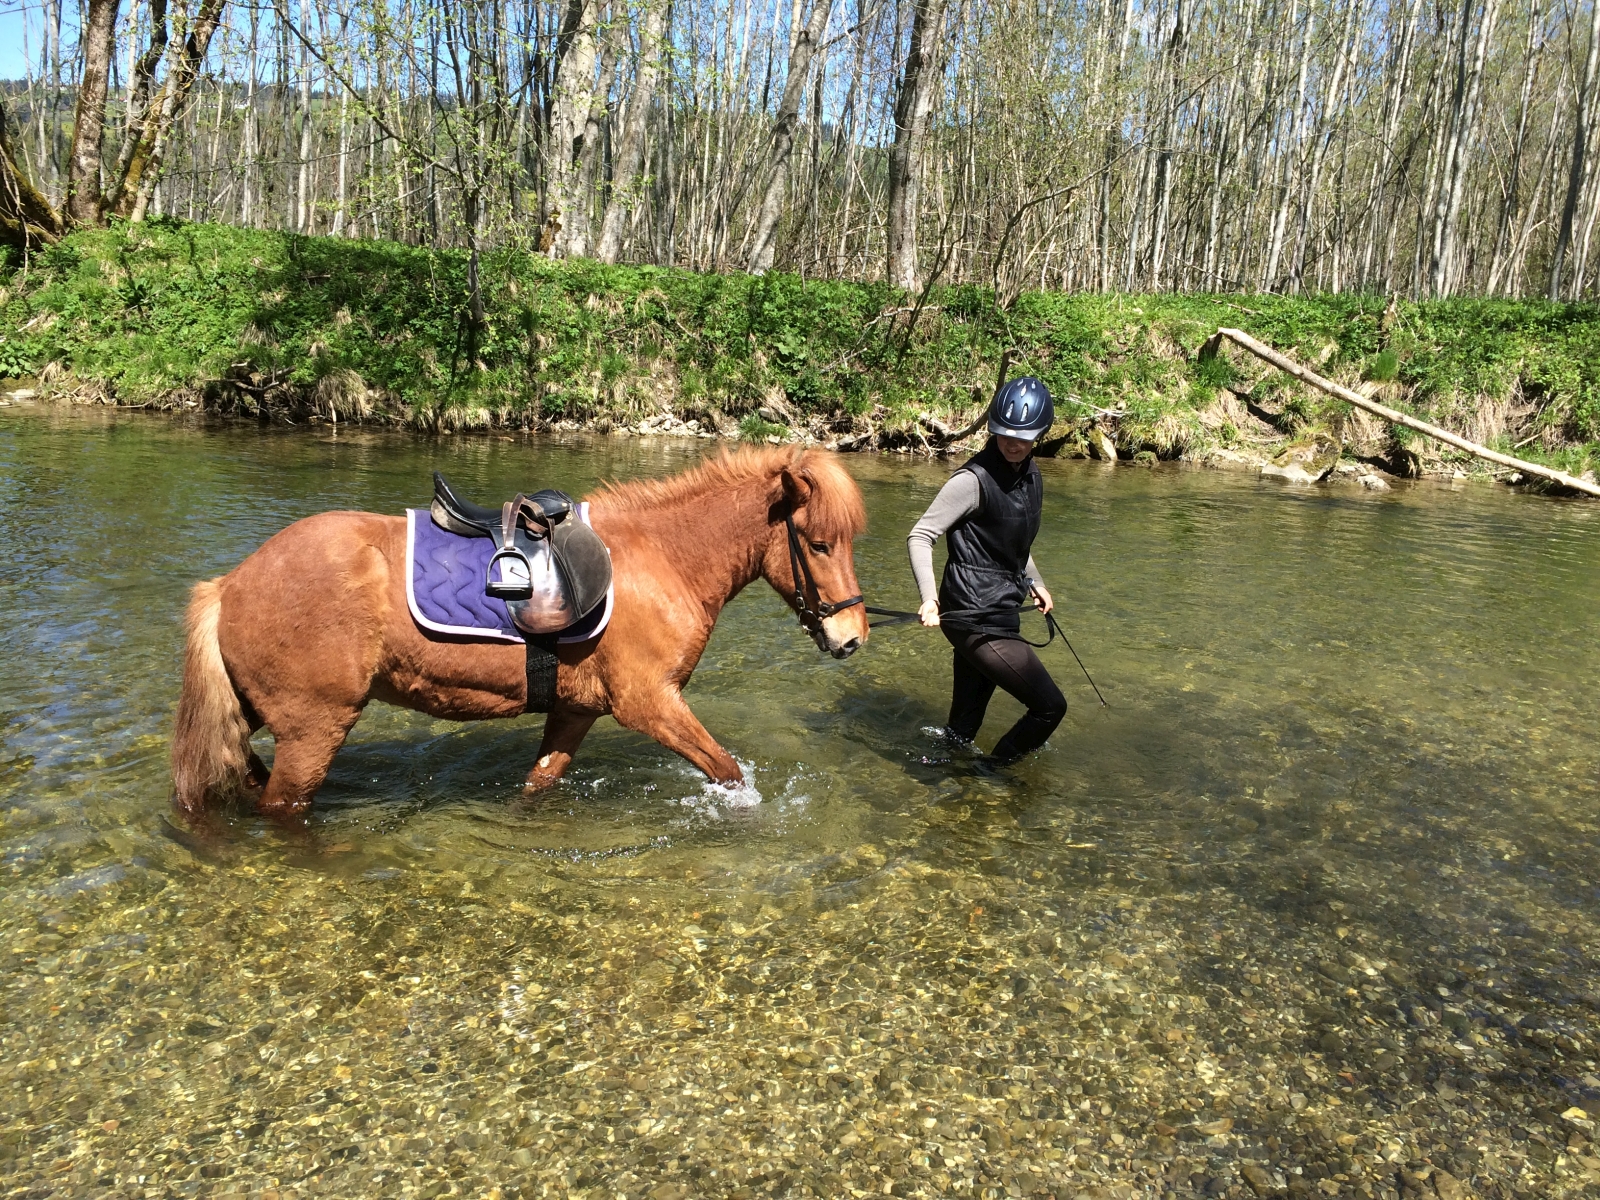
x=990 y=513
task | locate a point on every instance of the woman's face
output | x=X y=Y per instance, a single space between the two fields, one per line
x=1014 y=449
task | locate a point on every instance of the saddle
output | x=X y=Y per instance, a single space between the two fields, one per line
x=549 y=567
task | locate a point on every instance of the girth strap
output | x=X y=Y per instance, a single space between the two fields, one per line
x=542 y=666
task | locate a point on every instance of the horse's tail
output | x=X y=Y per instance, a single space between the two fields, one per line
x=211 y=741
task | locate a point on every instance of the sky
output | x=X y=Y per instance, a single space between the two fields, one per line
x=19 y=26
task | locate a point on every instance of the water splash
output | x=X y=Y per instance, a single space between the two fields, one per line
x=716 y=800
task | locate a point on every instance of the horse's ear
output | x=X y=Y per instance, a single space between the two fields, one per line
x=797 y=486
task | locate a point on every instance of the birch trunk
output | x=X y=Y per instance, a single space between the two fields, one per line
x=625 y=197
x=1441 y=280
x=140 y=82
x=805 y=40
x=913 y=106
x=579 y=218
x=1287 y=154
x=247 y=150
x=343 y=198
x=1532 y=60
x=302 y=217
x=1176 y=49
x=1580 y=147
x=569 y=113
x=184 y=60
x=1333 y=112
x=83 y=173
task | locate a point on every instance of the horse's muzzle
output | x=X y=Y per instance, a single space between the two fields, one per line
x=827 y=645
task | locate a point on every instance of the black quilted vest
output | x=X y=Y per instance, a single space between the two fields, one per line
x=983 y=586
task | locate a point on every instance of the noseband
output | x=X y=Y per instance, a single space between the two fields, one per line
x=811 y=618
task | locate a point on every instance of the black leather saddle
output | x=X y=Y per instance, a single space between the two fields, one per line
x=451 y=512
x=549 y=567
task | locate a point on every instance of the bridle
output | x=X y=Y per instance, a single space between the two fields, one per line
x=811 y=618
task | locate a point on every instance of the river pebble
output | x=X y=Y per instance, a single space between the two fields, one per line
x=937 y=1034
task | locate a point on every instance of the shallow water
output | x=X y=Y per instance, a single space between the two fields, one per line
x=1310 y=908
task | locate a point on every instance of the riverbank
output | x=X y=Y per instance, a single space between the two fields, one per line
x=180 y=316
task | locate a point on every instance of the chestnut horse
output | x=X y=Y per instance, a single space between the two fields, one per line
x=313 y=625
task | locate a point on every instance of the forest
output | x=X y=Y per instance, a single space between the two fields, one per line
x=1411 y=148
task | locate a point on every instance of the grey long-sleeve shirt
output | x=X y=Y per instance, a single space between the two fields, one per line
x=958 y=499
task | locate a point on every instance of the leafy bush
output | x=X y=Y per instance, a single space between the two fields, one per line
x=755 y=428
x=1383 y=366
x=149 y=309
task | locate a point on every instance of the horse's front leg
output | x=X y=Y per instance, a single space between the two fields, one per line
x=564 y=731
x=667 y=718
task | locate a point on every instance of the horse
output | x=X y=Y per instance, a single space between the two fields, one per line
x=311 y=627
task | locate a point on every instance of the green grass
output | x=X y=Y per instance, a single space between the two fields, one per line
x=169 y=308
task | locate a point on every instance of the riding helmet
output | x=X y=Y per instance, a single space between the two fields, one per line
x=1022 y=409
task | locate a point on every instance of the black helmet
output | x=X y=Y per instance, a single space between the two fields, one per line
x=1022 y=409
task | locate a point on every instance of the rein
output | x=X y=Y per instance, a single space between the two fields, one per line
x=899 y=617
x=811 y=618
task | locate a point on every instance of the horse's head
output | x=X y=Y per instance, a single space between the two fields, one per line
x=809 y=558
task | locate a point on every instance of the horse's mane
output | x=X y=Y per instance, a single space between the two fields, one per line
x=834 y=509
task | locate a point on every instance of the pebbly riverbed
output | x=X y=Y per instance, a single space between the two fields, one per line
x=1309 y=910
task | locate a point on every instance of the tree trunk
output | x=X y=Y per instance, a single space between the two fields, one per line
x=1334 y=103
x=302 y=191
x=569 y=113
x=248 y=149
x=83 y=178
x=1176 y=52
x=343 y=200
x=140 y=83
x=765 y=247
x=146 y=139
x=630 y=153
x=1288 y=153
x=1464 y=106
x=174 y=93
x=579 y=219
x=1511 y=196
x=1580 y=148
x=912 y=108
x=27 y=218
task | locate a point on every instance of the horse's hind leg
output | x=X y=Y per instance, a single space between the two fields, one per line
x=301 y=760
x=564 y=731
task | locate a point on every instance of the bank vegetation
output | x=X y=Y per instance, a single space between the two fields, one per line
x=283 y=327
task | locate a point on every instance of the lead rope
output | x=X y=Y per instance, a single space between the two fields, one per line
x=898 y=617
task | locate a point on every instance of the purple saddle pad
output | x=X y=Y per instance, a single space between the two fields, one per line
x=444 y=586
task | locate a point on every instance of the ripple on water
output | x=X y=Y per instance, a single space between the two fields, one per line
x=1310 y=907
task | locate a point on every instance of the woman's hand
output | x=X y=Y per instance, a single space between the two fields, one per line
x=1042 y=594
x=928 y=614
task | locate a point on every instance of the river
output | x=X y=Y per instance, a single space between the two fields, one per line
x=1310 y=908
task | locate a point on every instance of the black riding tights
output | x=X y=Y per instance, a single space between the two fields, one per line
x=984 y=662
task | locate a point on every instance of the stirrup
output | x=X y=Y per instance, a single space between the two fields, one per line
x=516 y=584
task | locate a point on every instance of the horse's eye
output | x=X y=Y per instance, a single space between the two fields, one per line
x=819 y=547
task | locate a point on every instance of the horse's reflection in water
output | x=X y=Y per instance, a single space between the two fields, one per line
x=313 y=625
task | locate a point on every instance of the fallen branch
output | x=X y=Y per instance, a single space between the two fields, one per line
x=1290 y=367
x=950 y=436
x=1113 y=413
